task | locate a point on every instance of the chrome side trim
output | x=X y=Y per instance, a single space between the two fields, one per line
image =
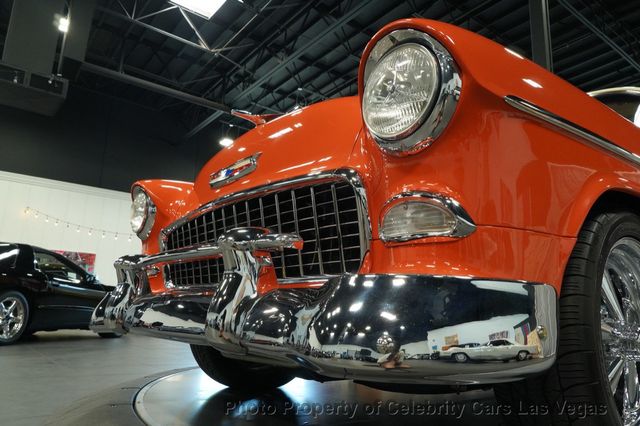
x=235 y=171
x=464 y=224
x=349 y=175
x=437 y=118
x=576 y=130
x=308 y=279
x=625 y=90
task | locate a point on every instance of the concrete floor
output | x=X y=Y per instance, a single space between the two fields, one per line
x=62 y=372
x=51 y=370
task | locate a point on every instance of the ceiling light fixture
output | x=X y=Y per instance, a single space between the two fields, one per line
x=204 y=8
x=63 y=25
x=226 y=141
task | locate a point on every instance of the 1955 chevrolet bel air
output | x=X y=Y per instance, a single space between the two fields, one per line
x=465 y=195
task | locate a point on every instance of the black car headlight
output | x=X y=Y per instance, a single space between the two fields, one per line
x=411 y=88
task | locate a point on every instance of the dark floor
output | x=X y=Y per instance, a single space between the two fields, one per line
x=51 y=370
x=74 y=373
x=188 y=398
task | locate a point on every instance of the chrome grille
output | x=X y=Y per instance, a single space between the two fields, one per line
x=326 y=215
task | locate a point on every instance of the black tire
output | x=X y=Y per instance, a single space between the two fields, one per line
x=240 y=375
x=460 y=357
x=19 y=297
x=578 y=378
x=109 y=335
x=522 y=355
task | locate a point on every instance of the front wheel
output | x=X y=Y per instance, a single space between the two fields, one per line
x=461 y=358
x=595 y=378
x=241 y=375
x=14 y=315
x=522 y=355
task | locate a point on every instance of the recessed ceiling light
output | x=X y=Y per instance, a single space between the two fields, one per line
x=204 y=8
x=63 y=25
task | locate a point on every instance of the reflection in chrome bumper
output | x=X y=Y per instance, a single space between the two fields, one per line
x=376 y=328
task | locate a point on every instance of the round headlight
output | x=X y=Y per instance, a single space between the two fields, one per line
x=411 y=89
x=142 y=213
x=400 y=91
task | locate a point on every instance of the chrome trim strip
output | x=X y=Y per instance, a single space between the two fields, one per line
x=234 y=171
x=576 y=130
x=464 y=224
x=249 y=238
x=67 y=307
x=625 y=90
x=346 y=174
x=437 y=118
x=204 y=251
x=317 y=279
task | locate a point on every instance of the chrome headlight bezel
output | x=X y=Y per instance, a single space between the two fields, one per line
x=149 y=215
x=436 y=117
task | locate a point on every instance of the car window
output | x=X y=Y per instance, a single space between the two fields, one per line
x=625 y=104
x=8 y=255
x=53 y=267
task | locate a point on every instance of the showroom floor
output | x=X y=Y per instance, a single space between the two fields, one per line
x=44 y=377
x=51 y=370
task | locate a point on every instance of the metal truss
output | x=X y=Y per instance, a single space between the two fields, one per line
x=140 y=21
x=270 y=55
x=600 y=33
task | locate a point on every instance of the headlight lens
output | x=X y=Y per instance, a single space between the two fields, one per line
x=142 y=213
x=411 y=90
x=400 y=91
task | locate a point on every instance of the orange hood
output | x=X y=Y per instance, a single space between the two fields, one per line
x=313 y=139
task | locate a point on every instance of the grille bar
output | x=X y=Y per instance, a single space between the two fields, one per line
x=327 y=215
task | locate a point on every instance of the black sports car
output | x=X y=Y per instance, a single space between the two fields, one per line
x=42 y=291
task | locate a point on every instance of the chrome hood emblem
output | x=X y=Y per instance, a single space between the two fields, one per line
x=235 y=171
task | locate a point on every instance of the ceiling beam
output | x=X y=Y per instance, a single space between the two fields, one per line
x=602 y=36
x=154 y=87
x=540 y=27
x=214 y=51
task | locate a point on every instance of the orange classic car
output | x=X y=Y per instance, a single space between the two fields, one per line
x=465 y=195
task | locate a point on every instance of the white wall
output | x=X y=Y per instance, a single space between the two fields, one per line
x=83 y=205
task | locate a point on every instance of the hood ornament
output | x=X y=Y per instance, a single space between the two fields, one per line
x=234 y=172
x=254 y=118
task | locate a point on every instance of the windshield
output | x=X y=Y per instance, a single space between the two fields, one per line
x=627 y=104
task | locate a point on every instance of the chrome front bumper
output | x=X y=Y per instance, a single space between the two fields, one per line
x=375 y=328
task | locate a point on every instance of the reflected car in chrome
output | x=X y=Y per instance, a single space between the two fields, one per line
x=464 y=195
x=495 y=350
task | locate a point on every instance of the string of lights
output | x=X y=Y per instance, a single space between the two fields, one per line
x=89 y=230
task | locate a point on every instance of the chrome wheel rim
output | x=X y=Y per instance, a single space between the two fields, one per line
x=620 y=326
x=12 y=317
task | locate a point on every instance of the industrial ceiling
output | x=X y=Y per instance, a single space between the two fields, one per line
x=267 y=56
